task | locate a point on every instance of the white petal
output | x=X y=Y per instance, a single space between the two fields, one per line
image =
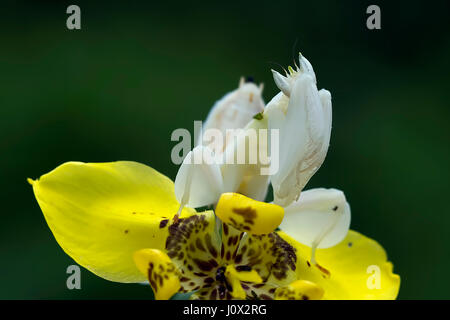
x=321 y=218
x=199 y=180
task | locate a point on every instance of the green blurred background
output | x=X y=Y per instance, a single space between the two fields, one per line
x=117 y=88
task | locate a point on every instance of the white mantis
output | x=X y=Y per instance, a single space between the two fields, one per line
x=318 y=218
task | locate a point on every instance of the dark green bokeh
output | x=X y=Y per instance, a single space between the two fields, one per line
x=116 y=89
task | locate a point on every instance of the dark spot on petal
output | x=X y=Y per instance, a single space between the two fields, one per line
x=203 y=265
x=199 y=244
x=225 y=229
x=211 y=248
x=244 y=268
x=209 y=280
x=323 y=270
x=163 y=223
x=213 y=295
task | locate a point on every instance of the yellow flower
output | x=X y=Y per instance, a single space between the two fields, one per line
x=115 y=219
x=126 y=222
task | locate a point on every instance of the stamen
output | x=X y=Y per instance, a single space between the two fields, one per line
x=322 y=235
x=177 y=215
x=313 y=253
x=234 y=278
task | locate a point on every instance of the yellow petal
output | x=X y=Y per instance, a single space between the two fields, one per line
x=299 y=290
x=248 y=215
x=161 y=272
x=358 y=269
x=234 y=278
x=101 y=213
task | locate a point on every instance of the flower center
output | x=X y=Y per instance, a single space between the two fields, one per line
x=220 y=275
x=230 y=264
